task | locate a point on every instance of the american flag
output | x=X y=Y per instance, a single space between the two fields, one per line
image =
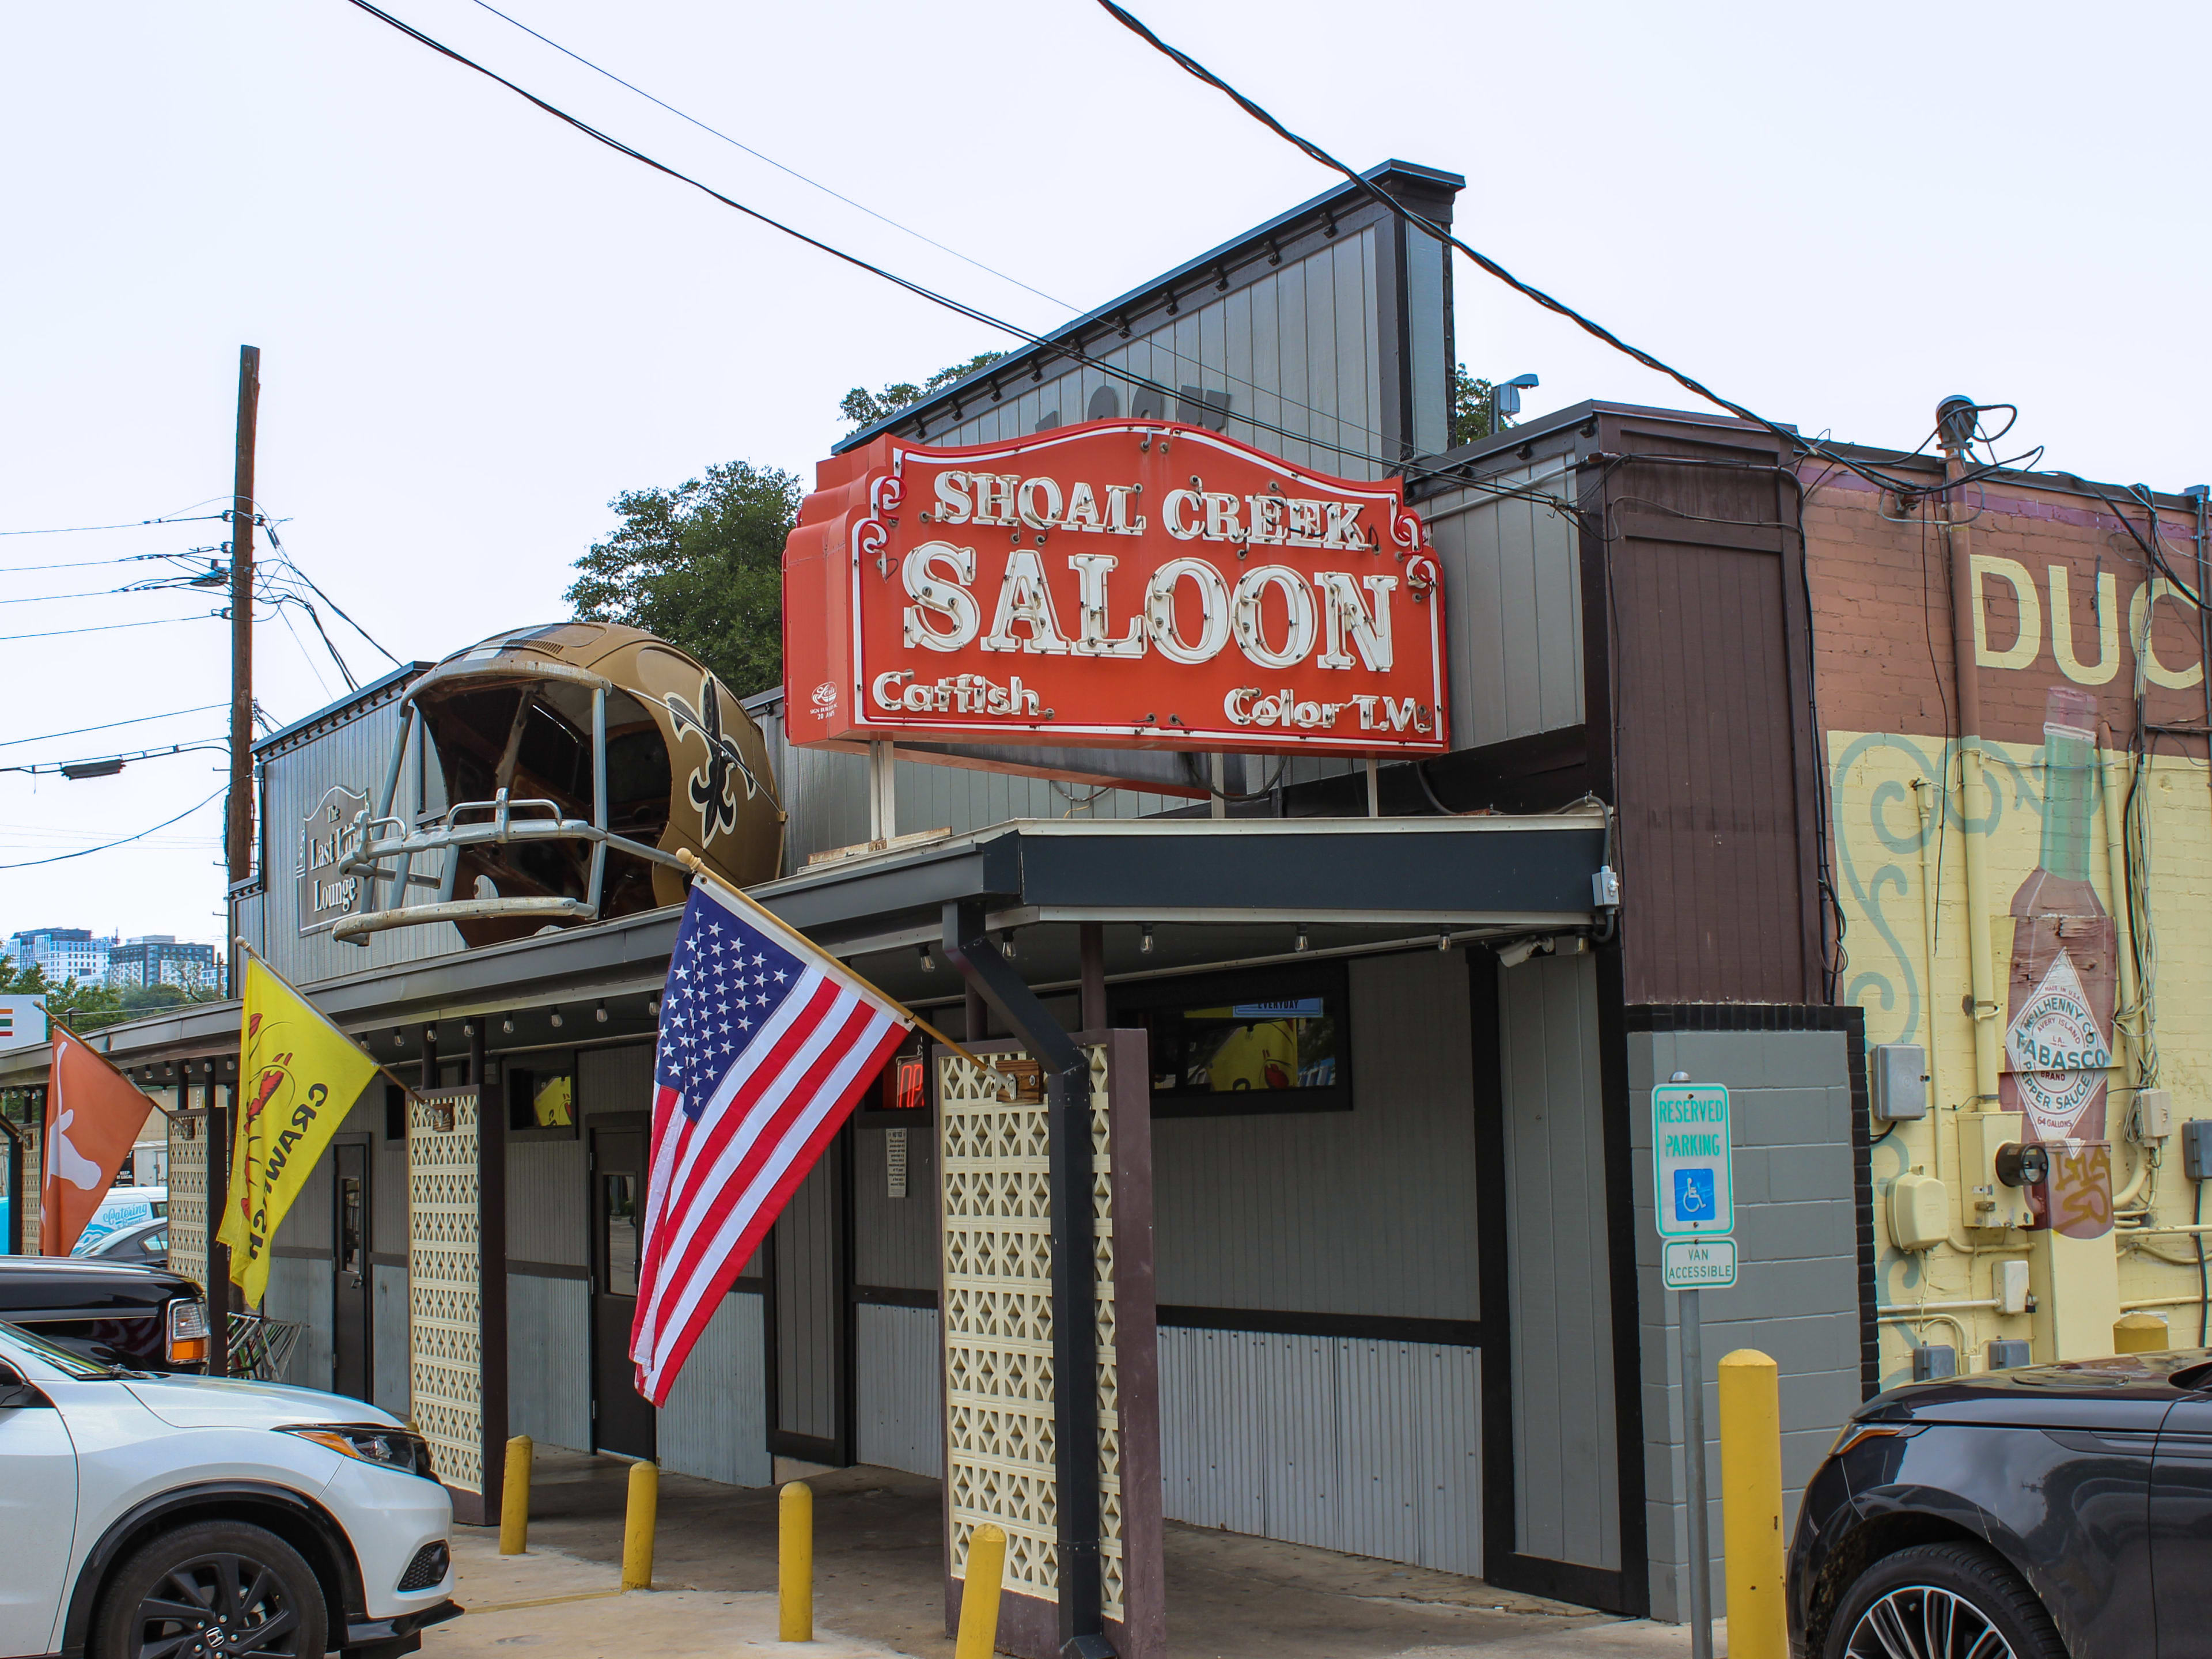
x=765 y=1045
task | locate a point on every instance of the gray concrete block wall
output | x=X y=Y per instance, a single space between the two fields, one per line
x=1796 y=1296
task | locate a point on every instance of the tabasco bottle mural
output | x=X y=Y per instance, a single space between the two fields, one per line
x=2059 y=1028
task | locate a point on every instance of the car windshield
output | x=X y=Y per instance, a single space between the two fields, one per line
x=73 y=1365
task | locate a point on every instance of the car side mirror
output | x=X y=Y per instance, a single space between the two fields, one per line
x=15 y=1391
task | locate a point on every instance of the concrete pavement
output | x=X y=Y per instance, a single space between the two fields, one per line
x=878 y=1590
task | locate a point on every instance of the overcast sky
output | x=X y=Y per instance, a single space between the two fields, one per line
x=476 y=325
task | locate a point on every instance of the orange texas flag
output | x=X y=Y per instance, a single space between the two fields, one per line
x=93 y=1113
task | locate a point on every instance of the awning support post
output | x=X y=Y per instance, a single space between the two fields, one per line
x=967 y=946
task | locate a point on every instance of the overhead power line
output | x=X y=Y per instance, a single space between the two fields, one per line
x=883 y=218
x=131 y=524
x=104 y=628
x=136 y=720
x=107 y=765
x=1067 y=348
x=87 y=852
x=1795 y=440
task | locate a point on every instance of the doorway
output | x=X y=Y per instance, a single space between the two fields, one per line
x=352 y=1303
x=622 y=1421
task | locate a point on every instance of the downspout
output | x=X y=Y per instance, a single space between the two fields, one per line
x=2127 y=1053
x=1955 y=423
x=967 y=946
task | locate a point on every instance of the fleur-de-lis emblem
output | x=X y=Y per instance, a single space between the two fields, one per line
x=710 y=785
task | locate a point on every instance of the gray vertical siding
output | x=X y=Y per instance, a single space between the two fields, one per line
x=549 y=1360
x=807 y=1306
x=1368 y=1447
x=715 y=1425
x=299 y=1289
x=895 y=1239
x=1365 y=1212
x=901 y=1378
x=392 y=1378
x=1297 y=349
x=548 y=1205
x=1512 y=586
x=614 y=1079
x=1566 y=1463
x=1797 y=1296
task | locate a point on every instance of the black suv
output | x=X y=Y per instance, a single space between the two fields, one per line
x=2053 y=1512
x=142 y=1319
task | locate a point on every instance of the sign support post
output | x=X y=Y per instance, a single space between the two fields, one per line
x=1693 y=1474
x=1694 y=1168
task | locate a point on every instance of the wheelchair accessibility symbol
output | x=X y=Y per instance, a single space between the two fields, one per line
x=1694 y=1196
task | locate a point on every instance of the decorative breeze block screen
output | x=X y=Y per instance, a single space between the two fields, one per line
x=444 y=1291
x=33 y=1184
x=994 y=1164
x=188 y=1199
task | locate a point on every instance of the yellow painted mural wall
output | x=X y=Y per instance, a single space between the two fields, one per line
x=1890 y=852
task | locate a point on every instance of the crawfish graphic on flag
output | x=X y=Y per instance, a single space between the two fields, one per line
x=301 y=1076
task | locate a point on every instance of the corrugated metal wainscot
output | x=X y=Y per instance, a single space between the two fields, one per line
x=1353 y=1443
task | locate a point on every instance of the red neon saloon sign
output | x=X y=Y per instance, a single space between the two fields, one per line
x=1135 y=583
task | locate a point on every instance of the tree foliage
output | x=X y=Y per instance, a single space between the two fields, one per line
x=865 y=407
x=701 y=565
x=1470 y=407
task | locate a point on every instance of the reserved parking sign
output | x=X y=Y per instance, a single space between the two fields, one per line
x=1692 y=1162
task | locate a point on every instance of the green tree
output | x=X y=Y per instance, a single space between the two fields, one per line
x=865 y=407
x=701 y=565
x=1470 y=407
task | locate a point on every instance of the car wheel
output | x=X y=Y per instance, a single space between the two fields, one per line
x=1942 y=1601
x=215 y=1589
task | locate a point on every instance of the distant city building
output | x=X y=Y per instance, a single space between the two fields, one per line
x=64 y=953
x=67 y=953
x=158 y=959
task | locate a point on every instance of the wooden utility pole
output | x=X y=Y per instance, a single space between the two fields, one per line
x=238 y=832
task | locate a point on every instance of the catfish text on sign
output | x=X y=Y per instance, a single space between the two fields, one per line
x=1133 y=583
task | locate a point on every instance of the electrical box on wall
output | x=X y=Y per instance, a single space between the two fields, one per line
x=2010 y=1279
x=2154 y=1113
x=1897 y=1077
x=2196 y=1149
x=1989 y=1201
x=1919 y=1213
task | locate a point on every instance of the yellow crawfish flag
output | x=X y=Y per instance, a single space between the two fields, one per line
x=300 y=1076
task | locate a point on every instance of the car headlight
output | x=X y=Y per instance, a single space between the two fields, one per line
x=392 y=1448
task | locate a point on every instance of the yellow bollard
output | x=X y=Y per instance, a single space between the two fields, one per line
x=2140 y=1333
x=795 y=1562
x=1751 y=1505
x=514 y=1498
x=638 y=1524
x=979 y=1597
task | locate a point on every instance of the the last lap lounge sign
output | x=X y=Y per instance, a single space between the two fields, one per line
x=1132 y=583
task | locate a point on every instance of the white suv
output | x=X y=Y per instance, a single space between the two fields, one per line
x=145 y=1516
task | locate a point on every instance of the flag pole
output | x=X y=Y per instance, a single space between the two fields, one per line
x=242 y=944
x=77 y=1037
x=692 y=862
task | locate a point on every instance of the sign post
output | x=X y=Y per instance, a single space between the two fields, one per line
x=1694 y=1171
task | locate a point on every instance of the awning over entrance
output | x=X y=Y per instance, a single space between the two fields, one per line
x=1172 y=892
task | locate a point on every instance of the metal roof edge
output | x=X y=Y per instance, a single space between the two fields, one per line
x=367 y=697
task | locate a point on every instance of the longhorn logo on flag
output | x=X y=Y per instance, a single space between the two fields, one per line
x=93 y=1113
x=766 y=1044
